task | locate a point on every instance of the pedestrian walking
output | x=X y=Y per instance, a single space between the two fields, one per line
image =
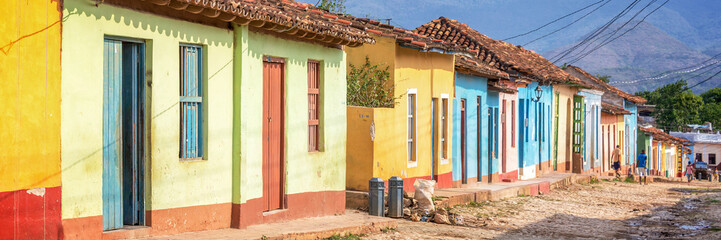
x=641 y=167
x=715 y=174
x=689 y=172
x=616 y=159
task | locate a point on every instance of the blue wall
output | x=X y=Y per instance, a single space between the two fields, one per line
x=535 y=126
x=592 y=125
x=631 y=131
x=471 y=88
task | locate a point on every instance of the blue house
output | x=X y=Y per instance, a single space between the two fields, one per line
x=534 y=135
x=474 y=123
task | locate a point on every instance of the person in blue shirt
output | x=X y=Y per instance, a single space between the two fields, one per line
x=641 y=167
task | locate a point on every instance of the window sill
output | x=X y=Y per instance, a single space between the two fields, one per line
x=188 y=160
x=412 y=164
x=444 y=161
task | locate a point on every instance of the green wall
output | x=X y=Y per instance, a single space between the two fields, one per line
x=170 y=182
x=305 y=172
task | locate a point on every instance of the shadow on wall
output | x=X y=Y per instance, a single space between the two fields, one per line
x=162 y=25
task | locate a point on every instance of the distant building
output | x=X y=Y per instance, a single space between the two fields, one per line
x=706 y=146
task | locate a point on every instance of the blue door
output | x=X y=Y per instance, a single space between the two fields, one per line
x=112 y=135
x=123 y=172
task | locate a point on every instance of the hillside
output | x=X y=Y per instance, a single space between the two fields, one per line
x=643 y=52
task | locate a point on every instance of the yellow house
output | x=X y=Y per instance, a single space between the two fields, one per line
x=411 y=140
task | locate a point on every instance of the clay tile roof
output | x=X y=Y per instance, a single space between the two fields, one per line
x=404 y=37
x=663 y=136
x=500 y=54
x=286 y=17
x=475 y=67
x=613 y=109
x=608 y=87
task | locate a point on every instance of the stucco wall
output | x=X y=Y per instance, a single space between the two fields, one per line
x=30 y=119
x=592 y=101
x=305 y=171
x=534 y=127
x=470 y=88
x=631 y=122
x=565 y=123
x=170 y=183
x=511 y=152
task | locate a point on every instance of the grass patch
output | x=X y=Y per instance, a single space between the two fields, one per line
x=713 y=201
x=476 y=204
x=629 y=180
x=606 y=180
x=388 y=229
x=345 y=237
x=523 y=195
x=715 y=229
x=436 y=198
x=594 y=181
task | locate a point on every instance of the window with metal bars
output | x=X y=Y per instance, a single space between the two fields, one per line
x=411 y=125
x=191 y=101
x=444 y=128
x=314 y=106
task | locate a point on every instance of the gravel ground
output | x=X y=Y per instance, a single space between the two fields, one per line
x=602 y=210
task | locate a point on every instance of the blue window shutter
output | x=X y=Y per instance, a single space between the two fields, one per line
x=191 y=101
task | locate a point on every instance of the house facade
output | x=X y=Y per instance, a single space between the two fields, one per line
x=30 y=180
x=414 y=139
x=475 y=125
x=611 y=117
x=705 y=147
x=195 y=116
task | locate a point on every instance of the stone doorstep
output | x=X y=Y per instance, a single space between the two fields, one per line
x=373 y=227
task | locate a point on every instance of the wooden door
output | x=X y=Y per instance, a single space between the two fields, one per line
x=464 y=175
x=133 y=134
x=434 y=132
x=112 y=135
x=479 y=139
x=503 y=136
x=273 y=119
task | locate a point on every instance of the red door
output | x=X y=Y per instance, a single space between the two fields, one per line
x=273 y=169
x=504 y=136
x=463 y=142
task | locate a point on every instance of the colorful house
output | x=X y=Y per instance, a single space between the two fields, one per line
x=473 y=124
x=413 y=139
x=526 y=119
x=611 y=117
x=705 y=147
x=567 y=125
x=188 y=115
x=645 y=142
x=591 y=105
x=30 y=184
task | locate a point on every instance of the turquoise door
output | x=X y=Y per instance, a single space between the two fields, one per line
x=112 y=135
x=123 y=135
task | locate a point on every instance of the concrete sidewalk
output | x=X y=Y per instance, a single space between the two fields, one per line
x=352 y=222
x=478 y=192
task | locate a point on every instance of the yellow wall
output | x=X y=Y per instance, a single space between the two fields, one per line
x=431 y=75
x=30 y=93
x=565 y=96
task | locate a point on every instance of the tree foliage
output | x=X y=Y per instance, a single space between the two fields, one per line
x=369 y=86
x=676 y=105
x=604 y=78
x=711 y=113
x=337 y=6
x=712 y=96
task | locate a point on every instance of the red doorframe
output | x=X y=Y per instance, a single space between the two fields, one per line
x=463 y=142
x=273 y=133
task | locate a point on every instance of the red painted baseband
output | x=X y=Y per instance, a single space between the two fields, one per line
x=160 y=222
x=30 y=214
x=512 y=175
x=299 y=205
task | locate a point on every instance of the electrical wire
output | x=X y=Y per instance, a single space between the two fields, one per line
x=551 y=22
x=707 y=79
x=609 y=35
x=594 y=34
x=624 y=33
x=568 y=25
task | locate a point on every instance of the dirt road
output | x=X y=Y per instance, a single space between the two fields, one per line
x=601 y=210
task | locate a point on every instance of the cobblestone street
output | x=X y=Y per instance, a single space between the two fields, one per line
x=603 y=209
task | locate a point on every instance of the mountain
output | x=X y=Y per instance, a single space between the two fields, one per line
x=643 y=52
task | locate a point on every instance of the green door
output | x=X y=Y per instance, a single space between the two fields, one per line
x=555 y=133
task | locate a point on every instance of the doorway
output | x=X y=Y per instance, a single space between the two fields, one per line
x=273 y=133
x=479 y=142
x=123 y=133
x=504 y=136
x=434 y=127
x=464 y=175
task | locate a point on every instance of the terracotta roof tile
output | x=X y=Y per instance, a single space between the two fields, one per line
x=475 y=67
x=501 y=54
x=404 y=37
x=283 y=16
x=663 y=136
x=608 y=87
x=613 y=109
